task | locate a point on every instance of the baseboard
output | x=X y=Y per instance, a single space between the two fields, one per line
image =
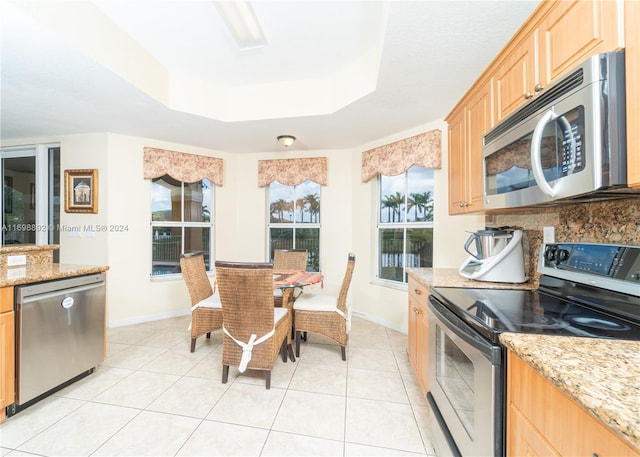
x=146 y=318
x=378 y=321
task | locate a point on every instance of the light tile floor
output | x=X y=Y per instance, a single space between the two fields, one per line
x=152 y=397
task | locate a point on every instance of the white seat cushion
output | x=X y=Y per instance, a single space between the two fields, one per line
x=316 y=302
x=212 y=301
x=279 y=313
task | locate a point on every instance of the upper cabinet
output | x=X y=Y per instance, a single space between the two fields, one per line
x=515 y=77
x=632 y=69
x=558 y=36
x=467 y=124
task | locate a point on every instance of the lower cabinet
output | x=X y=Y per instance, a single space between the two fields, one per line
x=419 y=331
x=543 y=421
x=7 y=350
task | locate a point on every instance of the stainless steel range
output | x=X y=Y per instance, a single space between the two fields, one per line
x=586 y=290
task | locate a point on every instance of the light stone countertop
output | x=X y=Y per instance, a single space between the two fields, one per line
x=449 y=277
x=14 y=276
x=601 y=375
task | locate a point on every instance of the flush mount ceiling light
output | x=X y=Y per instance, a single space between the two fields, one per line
x=286 y=140
x=242 y=23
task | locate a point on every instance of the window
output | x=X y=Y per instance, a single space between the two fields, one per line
x=294 y=220
x=181 y=221
x=405 y=223
x=30 y=195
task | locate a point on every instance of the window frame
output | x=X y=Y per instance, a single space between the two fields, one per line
x=183 y=225
x=403 y=225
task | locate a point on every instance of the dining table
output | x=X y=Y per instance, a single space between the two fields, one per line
x=283 y=279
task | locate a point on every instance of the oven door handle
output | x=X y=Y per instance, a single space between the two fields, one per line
x=462 y=330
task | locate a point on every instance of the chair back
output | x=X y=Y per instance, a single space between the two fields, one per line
x=290 y=259
x=246 y=294
x=194 y=273
x=346 y=281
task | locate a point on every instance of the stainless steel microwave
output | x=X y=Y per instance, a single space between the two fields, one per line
x=568 y=142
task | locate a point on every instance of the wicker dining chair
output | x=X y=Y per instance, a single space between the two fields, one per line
x=290 y=260
x=325 y=314
x=254 y=331
x=206 y=309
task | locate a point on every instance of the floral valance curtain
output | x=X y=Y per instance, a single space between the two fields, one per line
x=396 y=158
x=292 y=172
x=182 y=166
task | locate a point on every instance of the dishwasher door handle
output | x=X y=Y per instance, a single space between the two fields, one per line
x=59 y=293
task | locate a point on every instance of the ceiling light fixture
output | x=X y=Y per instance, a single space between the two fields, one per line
x=242 y=23
x=286 y=140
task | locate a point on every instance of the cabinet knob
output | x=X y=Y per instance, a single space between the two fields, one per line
x=528 y=95
x=417 y=291
x=538 y=87
x=415 y=310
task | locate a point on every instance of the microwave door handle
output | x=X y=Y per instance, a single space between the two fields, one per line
x=536 y=152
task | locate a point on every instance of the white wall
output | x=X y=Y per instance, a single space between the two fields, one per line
x=348 y=215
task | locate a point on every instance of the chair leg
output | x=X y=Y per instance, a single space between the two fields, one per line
x=193 y=344
x=343 y=349
x=208 y=334
x=268 y=379
x=297 y=344
x=290 y=350
x=225 y=373
x=283 y=350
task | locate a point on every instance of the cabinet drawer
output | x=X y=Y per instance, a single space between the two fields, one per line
x=6 y=299
x=417 y=291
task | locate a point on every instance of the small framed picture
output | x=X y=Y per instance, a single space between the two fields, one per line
x=81 y=191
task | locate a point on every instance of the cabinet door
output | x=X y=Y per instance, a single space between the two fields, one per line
x=7 y=358
x=412 y=348
x=632 y=69
x=457 y=159
x=478 y=122
x=516 y=76
x=423 y=347
x=574 y=30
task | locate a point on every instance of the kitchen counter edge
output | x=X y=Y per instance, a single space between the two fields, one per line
x=16 y=276
x=601 y=375
x=449 y=277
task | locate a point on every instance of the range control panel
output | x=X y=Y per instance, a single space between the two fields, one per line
x=586 y=262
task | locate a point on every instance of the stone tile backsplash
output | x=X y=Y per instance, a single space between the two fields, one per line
x=613 y=221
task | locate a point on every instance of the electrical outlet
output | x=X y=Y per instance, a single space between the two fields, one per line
x=14 y=260
x=548 y=235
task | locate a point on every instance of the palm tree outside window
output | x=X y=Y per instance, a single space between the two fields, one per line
x=294 y=219
x=405 y=223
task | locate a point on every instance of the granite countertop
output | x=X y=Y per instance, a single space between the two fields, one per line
x=11 y=248
x=449 y=277
x=601 y=375
x=14 y=276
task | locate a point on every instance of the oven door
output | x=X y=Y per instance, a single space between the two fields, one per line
x=466 y=381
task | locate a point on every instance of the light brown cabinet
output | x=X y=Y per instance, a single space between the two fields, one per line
x=419 y=331
x=558 y=36
x=467 y=124
x=632 y=69
x=7 y=350
x=543 y=421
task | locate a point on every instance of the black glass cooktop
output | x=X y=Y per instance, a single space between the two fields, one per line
x=493 y=311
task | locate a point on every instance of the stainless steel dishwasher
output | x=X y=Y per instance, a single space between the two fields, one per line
x=60 y=329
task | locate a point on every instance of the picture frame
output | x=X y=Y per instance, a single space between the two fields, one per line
x=81 y=191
